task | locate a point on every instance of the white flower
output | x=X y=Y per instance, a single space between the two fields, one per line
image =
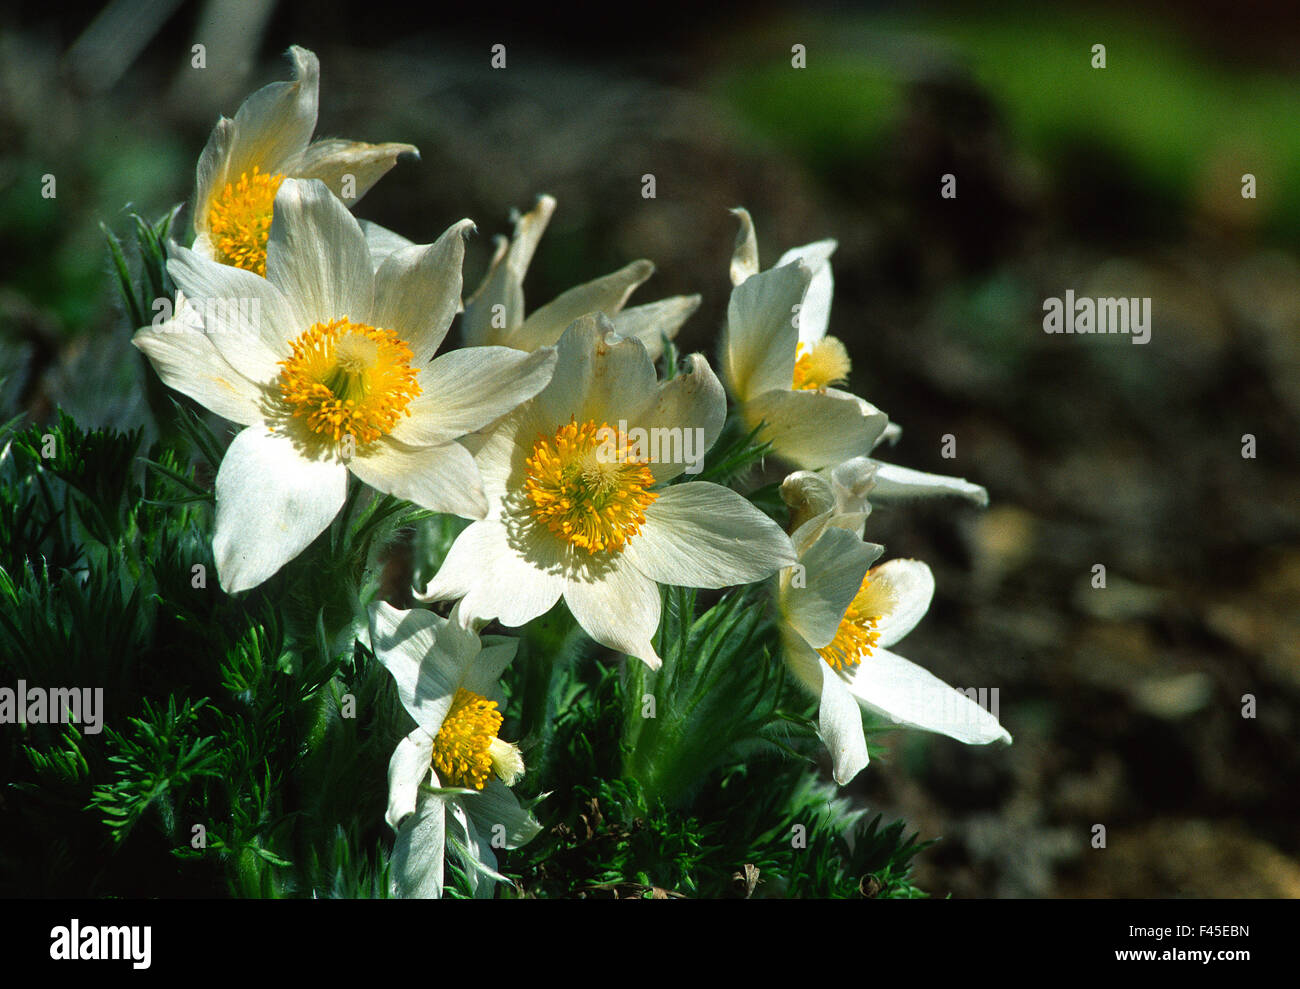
x=809 y=431
x=838 y=618
x=448 y=681
x=269 y=140
x=578 y=503
x=494 y=314
x=331 y=368
x=839 y=492
x=779 y=364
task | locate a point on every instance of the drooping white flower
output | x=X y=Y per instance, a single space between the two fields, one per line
x=780 y=366
x=449 y=779
x=838 y=494
x=494 y=314
x=331 y=368
x=267 y=141
x=580 y=506
x=809 y=432
x=838 y=618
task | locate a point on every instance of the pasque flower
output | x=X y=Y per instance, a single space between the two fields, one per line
x=780 y=366
x=838 y=617
x=810 y=423
x=268 y=140
x=494 y=314
x=331 y=369
x=580 y=505
x=449 y=779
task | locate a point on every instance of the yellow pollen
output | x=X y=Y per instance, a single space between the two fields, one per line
x=239 y=220
x=348 y=378
x=461 y=750
x=823 y=364
x=859 y=630
x=588 y=487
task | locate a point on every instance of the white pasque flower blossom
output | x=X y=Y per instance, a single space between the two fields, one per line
x=494 y=314
x=819 y=361
x=267 y=141
x=838 y=618
x=580 y=506
x=449 y=779
x=780 y=366
x=331 y=368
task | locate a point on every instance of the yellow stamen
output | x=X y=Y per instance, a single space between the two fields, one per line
x=859 y=633
x=467 y=749
x=348 y=378
x=588 y=487
x=823 y=364
x=239 y=220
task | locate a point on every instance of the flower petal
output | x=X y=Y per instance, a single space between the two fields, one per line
x=839 y=722
x=317 y=256
x=504 y=284
x=807 y=493
x=275 y=123
x=685 y=422
x=501 y=452
x=832 y=571
x=513 y=579
x=814 y=429
x=744 y=256
x=496 y=804
x=187 y=361
x=852 y=482
x=598 y=379
x=904 y=692
x=417 y=291
x=759 y=342
x=466 y=390
x=246 y=318
x=210 y=174
x=382 y=242
x=653 y=322
x=910 y=586
x=895 y=484
x=441 y=478
x=704 y=535
x=607 y=294
x=271 y=503
x=408 y=770
x=815 y=313
x=428 y=657
x=839 y=719
x=478 y=861
x=418 y=851
x=330 y=160
x=484 y=674
x=618 y=607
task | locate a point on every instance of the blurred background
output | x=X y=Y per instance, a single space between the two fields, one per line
x=1126 y=703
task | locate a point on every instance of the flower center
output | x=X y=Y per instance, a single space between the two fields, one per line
x=823 y=364
x=587 y=487
x=467 y=749
x=239 y=220
x=349 y=378
x=858 y=632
